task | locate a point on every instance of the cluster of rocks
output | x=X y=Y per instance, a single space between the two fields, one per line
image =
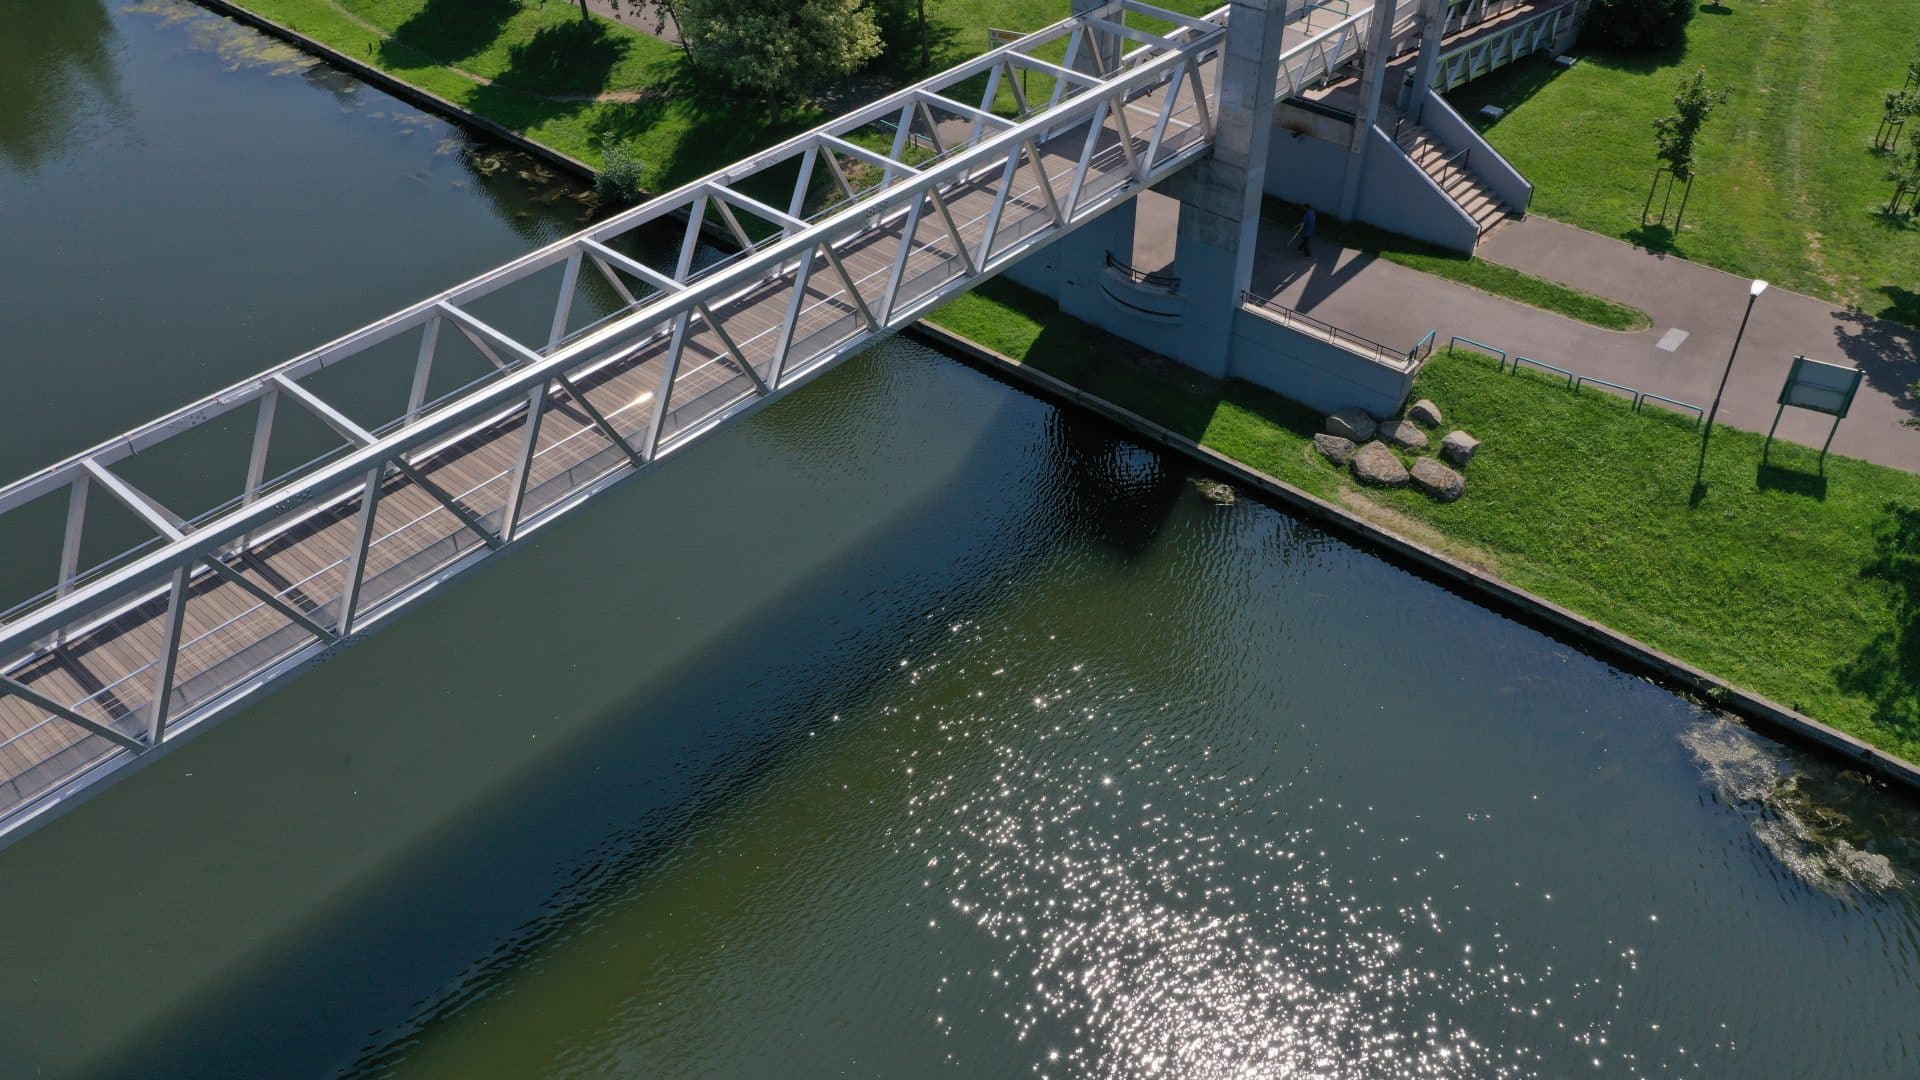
x=1356 y=441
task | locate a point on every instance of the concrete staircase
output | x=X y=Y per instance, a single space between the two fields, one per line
x=1453 y=171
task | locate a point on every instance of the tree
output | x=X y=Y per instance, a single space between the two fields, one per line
x=1905 y=174
x=1675 y=138
x=1899 y=106
x=780 y=51
x=1638 y=24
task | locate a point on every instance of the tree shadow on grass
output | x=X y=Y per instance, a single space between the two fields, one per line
x=1887 y=671
x=571 y=58
x=448 y=31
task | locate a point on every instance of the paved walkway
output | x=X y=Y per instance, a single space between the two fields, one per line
x=1395 y=305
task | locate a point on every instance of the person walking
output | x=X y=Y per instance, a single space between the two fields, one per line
x=1307 y=223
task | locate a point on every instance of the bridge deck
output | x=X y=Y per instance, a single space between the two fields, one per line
x=109 y=670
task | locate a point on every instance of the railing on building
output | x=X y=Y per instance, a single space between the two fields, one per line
x=1164 y=282
x=1403 y=360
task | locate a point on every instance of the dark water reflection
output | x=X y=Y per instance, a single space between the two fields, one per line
x=915 y=726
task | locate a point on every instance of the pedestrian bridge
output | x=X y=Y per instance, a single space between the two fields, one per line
x=841 y=234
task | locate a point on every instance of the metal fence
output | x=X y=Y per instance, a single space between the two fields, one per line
x=1575 y=381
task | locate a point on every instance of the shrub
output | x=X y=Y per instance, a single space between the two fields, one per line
x=1638 y=24
x=623 y=177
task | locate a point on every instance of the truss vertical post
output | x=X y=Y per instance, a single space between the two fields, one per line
x=799 y=200
x=1166 y=115
x=523 y=467
x=912 y=227
x=563 y=308
x=690 y=242
x=1046 y=183
x=169 y=657
x=902 y=131
x=1095 y=126
x=999 y=205
x=677 y=346
x=784 y=343
x=262 y=440
x=76 y=525
x=1200 y=99
x=933 y=129
x=953 y=230
x=423 y=367
x=362 y=543
x=986 y=103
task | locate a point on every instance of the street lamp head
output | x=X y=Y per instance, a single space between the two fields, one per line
x=1758 y=288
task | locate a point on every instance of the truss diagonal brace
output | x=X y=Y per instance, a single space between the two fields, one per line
x=454 y=506
x=329 y=415
x=279 y=604
x=41 y=701
x=162 y=520
x=599 y=420
x=751 y=205
x=638 y=269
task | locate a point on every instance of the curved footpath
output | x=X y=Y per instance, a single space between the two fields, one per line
x=1477 y=584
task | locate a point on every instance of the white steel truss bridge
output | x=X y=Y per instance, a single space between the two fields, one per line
x=842 y=234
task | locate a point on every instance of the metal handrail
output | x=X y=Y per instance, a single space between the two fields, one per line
x=1169 y=282
x=1576 y=381
x=1290 y=318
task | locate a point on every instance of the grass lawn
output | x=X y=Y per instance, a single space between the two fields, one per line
x=1470 y=270
x=537 y=68
x=1788 y=188
x=1802 y=589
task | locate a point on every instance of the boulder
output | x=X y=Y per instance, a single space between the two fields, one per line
x=1437 y=480
x=1404 y=433
x=1459 y=447
x=1375 y=464
x=1425 y=413
x=1352 y=424
x=1337 y=450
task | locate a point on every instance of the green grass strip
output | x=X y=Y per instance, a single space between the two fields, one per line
x=1803 y=588
x=1473 y=272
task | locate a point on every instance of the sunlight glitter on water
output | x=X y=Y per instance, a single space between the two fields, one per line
x=1163 y=910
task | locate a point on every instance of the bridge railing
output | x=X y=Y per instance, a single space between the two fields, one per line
x=841 y=236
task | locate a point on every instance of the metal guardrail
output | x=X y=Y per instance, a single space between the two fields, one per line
x=1288 y=317
x=1167 y=282
x=1542 y=365
x=1575 y=381
x=1454 y=343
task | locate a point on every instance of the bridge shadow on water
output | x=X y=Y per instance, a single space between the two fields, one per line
x=446 y=923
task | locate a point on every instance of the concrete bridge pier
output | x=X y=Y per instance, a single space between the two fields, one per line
x=1220 y=196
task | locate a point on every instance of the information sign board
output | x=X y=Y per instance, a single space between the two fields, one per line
x=1820 y=387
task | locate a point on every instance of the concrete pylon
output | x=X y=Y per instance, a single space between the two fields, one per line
x=1433 y=25
x=1373 y=80
x=1220 y=195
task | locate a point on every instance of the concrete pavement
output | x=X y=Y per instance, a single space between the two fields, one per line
x=1396 y=306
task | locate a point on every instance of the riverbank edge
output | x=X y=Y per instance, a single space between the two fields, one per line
x=1493 y=591
x=1602 y=640
x=400 y=88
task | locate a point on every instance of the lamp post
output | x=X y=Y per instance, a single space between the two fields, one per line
x=1753 y=293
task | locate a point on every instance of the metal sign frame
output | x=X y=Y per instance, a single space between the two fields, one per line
x=1817 y=386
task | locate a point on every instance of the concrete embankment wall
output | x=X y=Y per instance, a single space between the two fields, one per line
x=1312 y=370
x=1537 y=611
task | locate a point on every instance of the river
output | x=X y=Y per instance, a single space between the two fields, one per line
x=913 y=726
